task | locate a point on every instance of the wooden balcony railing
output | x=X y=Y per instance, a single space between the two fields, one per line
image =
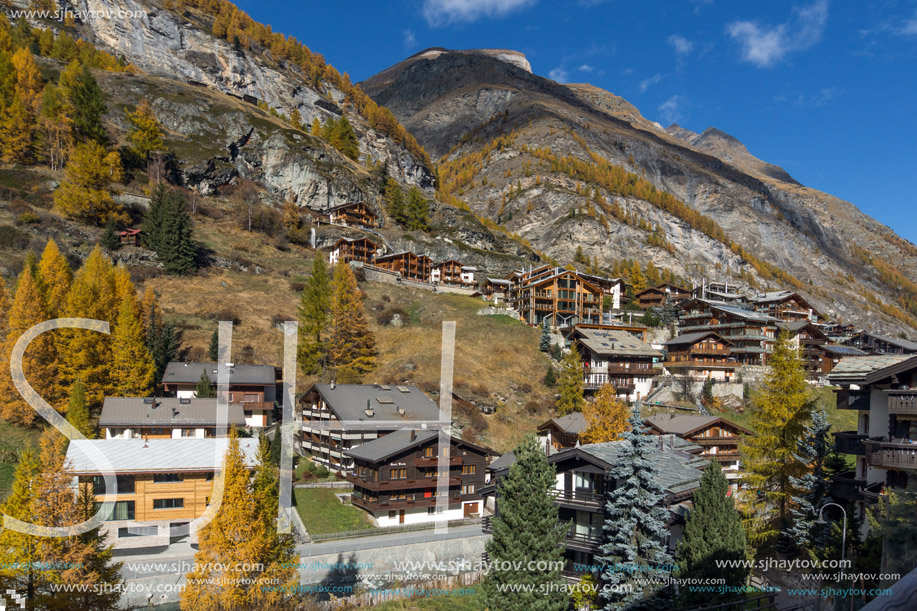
x=578 y=497
x=400 y=504
x=902 y=403
x=852 y=399
x=433 y=461
x=846 y=487
x=400 y=484
x=850 y=442
x=896 y=454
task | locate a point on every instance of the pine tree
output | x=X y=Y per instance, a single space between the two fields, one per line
x=132 y=367
x=162 y=339
x=77 y=412
x=168 y=231
x=544 y=344
x=92 y=560
x=88 y=103
x=713 y=536
x=351 y=345
x=526 y=531
x=892 y=520
x=781 y=411
x=55 y=124
x=635 y=529
x=154 y=218
x=110 y=239
x=296 y=119
x=266 y=492
x=314 y=319
x=550 y=378
x=17 y=549
x=214 y=350
x=204 y=388
x=813 y=450
x=394 y=201
x=84 y=192
x=606 y=417
x=707 y=397
x=232 y=546
x=571 y=383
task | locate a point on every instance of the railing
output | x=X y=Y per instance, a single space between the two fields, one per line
x=724 y=364
x=400 y=484
x=253 y=404
x=635 y=368
x=891 y=454
x=852 y=399
x=902 y=403
x=401 y=504
x=582 y=541
x=872 y=492
x=845 y=486
x=578 y=497
x=850 y=442
x=390 y=530
x=433 y=461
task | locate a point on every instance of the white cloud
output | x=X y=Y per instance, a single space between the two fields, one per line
x=670 y=110
x=445 y=12
x=647 y=83
x=820 y=99
x=586 y=68
x=409 y=39
x=910 y=26
x=682 y=45
x=559 y=74
x=766 y=46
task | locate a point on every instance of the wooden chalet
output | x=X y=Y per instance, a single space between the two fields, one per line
x=447 y=272
x=752 y=333
x=719 y=291
x=562 y=432
x=397 y=478
x=616 y=357
x=165 y=418
x=561 y=297
x=819 y=354
x=254 y=387
x=613 y=288
x=346 y=250
x=130 y=237
x=788 y=306
x=700 y=356
x=496 y=290
x=409 y=265
x=873 y=343
x=658 y=295
x=354 y=214
x=636 y=329
x=718 y=437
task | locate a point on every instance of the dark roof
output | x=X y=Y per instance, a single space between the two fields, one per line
x=686 y=424
x=504 y=462
x=574 y=422
x=693 y=338
x=387 y=445
x=350 y=205
x=894 y=341
x=349 y=401
x=165 y=411
x=190 y=373
x=352 y=240
x=842 y=350
x=661 y=288
x=614 y=342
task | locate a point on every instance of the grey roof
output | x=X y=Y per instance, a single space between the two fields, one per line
x=498 y=281
x=165 y=411
x=895 y=341
x=743 y=313
x=574 y=422
x=387 y=445
x=190 y=373
x=679 y=424
x=690 y=338
x=349 y=401
x=794 y=326
x=156 y=455
x=504 y=462
x=773 y=296
x=843 y=350
x=615 y=342
x=852 y=368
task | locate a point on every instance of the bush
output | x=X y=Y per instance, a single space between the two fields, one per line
x=10 y=236
x=300 y=237
x=532 y=406
x=27 y=218
x=297 y=286
x=266 y=220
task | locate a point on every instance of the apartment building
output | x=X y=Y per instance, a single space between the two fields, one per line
x=616 y=357
x=254 y=387
x=164 y=418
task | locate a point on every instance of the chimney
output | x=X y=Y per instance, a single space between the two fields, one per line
x=413 y=434
x=369 y=410
x=672 y=442
x=401 y=412
x=332 y=384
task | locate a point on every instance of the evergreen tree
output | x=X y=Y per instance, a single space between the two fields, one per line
x=635 y=529
x=526 y=531
x=892 y=521
x=163 y=341
x=550 y=378
x=669 y=312
x=266 y=491
x=88 y=103
x=416 y=211
x=77 y=412
x=132 y=367
x=707 y=397
x=713 y=537
x=95 y=564
x=571 y=383
x=110 y=239
x=214 y=350
x=20 y=558
x=813 y=449
x=781 y=411
x=394 y=201
x=313 y=314
x=606 y=417
x=168 y=231
x=544 y=343
x=351 y=345
x=204 y=389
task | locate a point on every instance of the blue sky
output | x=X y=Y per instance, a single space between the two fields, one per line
x=827 y=90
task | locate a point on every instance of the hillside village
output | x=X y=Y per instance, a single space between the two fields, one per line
x=597 y=415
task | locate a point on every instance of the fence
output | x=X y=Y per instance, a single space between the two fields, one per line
x=346 y=485
x=374 y=532
x=372 y=598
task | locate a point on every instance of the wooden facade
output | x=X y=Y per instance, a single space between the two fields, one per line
x=563 y=432
x=254 y=387
x=873 y=343
x=719 y=438
x=355 y=214
x=658 y=295
x=130 y=237
x=615 y=357
x=144 y=496
x=700 y=356
x=751 y=333
x=409 y=265
x=562 y=297
x=346 y=250
x=787 y=306
x=447 y=272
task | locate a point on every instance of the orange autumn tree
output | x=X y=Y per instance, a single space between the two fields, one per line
x=55 y=278
x=352 y=346
x=132 y=369
x=606 y=417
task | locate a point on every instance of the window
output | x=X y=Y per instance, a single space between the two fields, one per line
x=168 y=503
x=431 y=510
x=138 y=531
x=124 y=510
x=187 y=432
x=399 y=474
x=398 y=496
x=468 y=489
x=467 y=469
x=163 y=478
x=125 y=484
x=428 y=451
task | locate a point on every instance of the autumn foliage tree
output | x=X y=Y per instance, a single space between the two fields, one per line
x=132 y=367
x=606 y=417
x=570 y=384
x=351 y=345
x=84 y=192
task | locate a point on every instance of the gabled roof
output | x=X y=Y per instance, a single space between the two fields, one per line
x=156 y=455
x=349 y=402
x=129 y=232
x=352 y=240
x=614 y=342
x=165 y=412
x=842 y=350
x=573 y=423
x=692 y=338
x=539 y=280
x=732 y=310
x=351 y=205
x=688 y=424
x=395 y=255
x=661 y=288
x=797 y=326
x=190 y=373
x=499 y=281
x=871 y=368
x=894 y=341
x=398 y=441
x=504 y=462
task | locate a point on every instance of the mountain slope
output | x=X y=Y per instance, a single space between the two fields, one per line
x=535 y=155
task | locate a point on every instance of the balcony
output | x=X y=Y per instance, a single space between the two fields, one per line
x=401 y=484
x=702 y=364
x=872 y=492
x=891 y=455
x=846 y=487
x=850 y=442
x=853 y=399
x=578 y=498
x=902 y=402
x=582 y=542
x=373 y=506
x=433 y=461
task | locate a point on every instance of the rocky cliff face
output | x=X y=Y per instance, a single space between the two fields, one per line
x=456 y=103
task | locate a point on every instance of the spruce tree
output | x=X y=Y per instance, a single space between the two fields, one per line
x=707 y=397
x=110 y=239
x=351 y=345
x=635 y=530
x=571 y=384
x=713 y=536
x=314 y=317
x=77 y=412
x=813 y=450
x=416 y=211
x=204 y=389
x=88 y=103
x=526 y=532
x=544 y=344
x=168 y=231
x=213 y=351
x=550 y=378
x=394 y=201
x=132 y=368
x=770 y=457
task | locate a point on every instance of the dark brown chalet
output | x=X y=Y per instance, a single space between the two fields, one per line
x=819 y=354
x=788 y=306
x=718 y=437
x=873 y=343
x=752 y=333
x=563 y=432
x=254 y=387
x=409 y=265
x=346 y=250
x=355 y=214
x=658 y=295
x=561 y=297
x=130 y=237
x=615 y=357
x=396 y=478
x=700 y=356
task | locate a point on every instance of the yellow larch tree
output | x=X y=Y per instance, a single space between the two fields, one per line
x=131 y=364
x=84 y=194
x=352 y=346
x=146 y=133
x=606 y=417
x=56 y=277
